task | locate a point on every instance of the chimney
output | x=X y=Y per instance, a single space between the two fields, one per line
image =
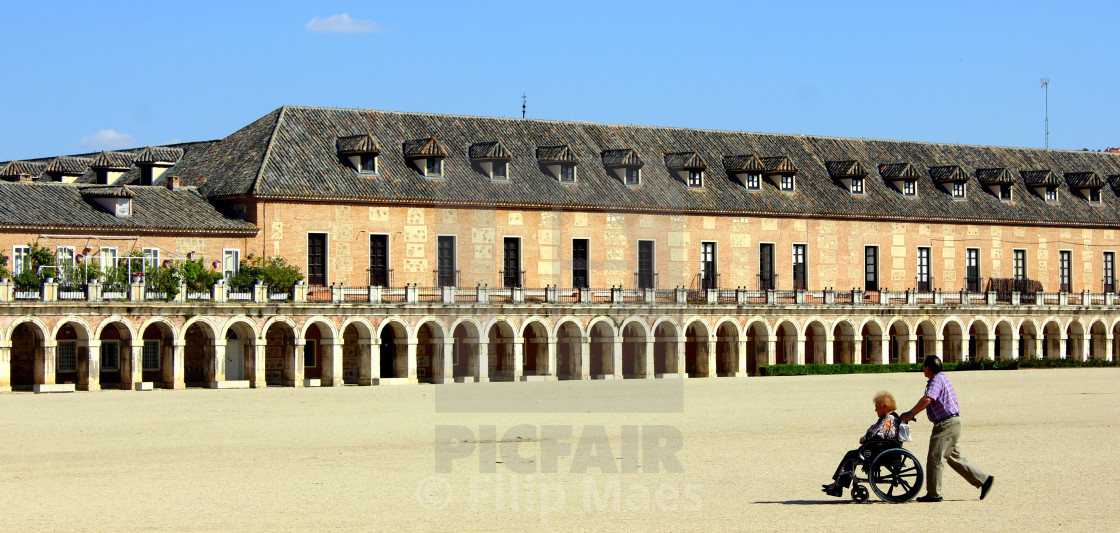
x=173 y=183
x=25 y=177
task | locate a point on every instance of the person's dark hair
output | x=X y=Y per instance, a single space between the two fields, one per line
x=933 y=363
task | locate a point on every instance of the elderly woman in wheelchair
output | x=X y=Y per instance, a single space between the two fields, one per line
x=893 y=473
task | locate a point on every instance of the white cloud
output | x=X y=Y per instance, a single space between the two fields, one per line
x=108 y=140
x=343 y=24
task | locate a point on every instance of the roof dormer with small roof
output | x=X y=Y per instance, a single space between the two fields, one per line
x=997 y=181
x=687 y=167
x=360 y=151
x=14 y=169
x=1086 y=184
x=850 y=173
x=492 y=157
x=427 y=155
x=745 y=169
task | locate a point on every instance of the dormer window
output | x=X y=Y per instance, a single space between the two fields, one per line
x=625 y=165
x=117 y=201
x=686 y=167
x=559 y=161
x=568 y=173
x=109 y=166
x=958 y=190
x=745 y=169
x=1095 y=195
x=492 y=158
x=154 y=161
x=849 y=173
x=787 y=183
x=1051 y=194
x=901 y=176
x=754 y=182
x=1087 y=184
x=910 y=188
x=427 y=155
x=696 y=178
x=780 y=171
x=1005 y=192
x=998 y=182
x=951 y=178
x=361 y=152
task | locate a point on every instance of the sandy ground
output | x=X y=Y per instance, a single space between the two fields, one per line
x=752 y=455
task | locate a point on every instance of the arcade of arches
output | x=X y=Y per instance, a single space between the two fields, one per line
x=213 y=350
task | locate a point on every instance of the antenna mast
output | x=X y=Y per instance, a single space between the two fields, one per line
x=1046 y=87
x=523 y=99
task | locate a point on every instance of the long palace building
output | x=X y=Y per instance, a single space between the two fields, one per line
x=442 y=248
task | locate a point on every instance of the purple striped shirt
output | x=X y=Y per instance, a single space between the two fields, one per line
x=944 y=398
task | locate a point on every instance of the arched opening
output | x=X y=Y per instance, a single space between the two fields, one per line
x=569 y=342
x=239 y=352
x=696 y=362
x=816 y=343
x=280 y=356
x=786 y=347
x=198 y=355
x=899 y=342
x=952 y=342
x=500 y=358
x=844 y=344
x=115 y=353
x=1075 y=341
x=634 y=351
x=979 y=345
x=602 y=351
x=1029 y=345
x=429 y=353
x=534 y=350
x=1098 y=341
x=665 y=339
x=27 y=357
x=357 y=364
x=157 y=355
x=927 y=341
x=71 y=355
x=1052 y=341
x=758 y=342
x=1115 y=353
x=464 y=357
x=871 y=351
x=393 y=359
x=727 y=350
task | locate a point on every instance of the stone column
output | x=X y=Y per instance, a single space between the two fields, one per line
x=857 y=351
x=177 y=377
x=45 y=363
x=446 y=372
x=710 y=360
x=551 y=357
x=293 y=364
x=884 y=350
x=258 y=379
x=678 y=345
x=518 y=357
x=410 y=358
x=89 y=373
x=1013 y=350
x=647 y=353
x=799 y=357
x=332 y=363
x=912 y=349
x=771 y=352
x=217 y=362
x=482 y=361
x=741 y=357
x=5 y=366
x=583 y=363
x=369 y=362
x=829 y=349
x=616 y=357
x=938 y=347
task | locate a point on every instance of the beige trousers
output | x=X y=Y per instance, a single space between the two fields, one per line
x=943 y=446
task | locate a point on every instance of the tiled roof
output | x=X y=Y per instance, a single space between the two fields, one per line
x=623 y=157
x=781 y=164
x=1040 y=178
x=490 y=150
x=684 y=160
x=429 y=147
x=994 y=176
x=851 y=168
x=15 y=168
x=109 y=191
x=158 y=154
x=68 y=164
x=291 y=153
x=556 y=154
x=114 y=160
x=898 y=171
x=1114 y=181
x=1084 y=179
x=948 y=174
x=154 y=209
x=742 y=163
x=359 y=144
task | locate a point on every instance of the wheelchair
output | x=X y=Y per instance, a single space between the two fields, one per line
x=892 y=472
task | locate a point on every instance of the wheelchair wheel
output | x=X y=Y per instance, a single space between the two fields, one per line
x=859 y=493
x=896 y=476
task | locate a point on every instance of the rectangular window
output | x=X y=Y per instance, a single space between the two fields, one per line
x=1005 y=192
x=110 y=355
x=695 y=178
x=972 y=269
x=150 y=355
x=1051 y=194
x=633 y=175
x=317 y=259
x=709 y=277
x=923 y=269
x=645 y=265
x=499 y=170
x=64 y=256
x=787 y=183
x=151 y=259
x=765 y=266
x=67 y=356
x=958 y=190
x=1020 y=265
x=909 y=188
x=1065 y=271
x=568 y=173
x=379 y=260
x=754 y=181
x=369 y=164
x=445 y=261
x=511 y=262
x=857 y=185
x=310 y=353
x=871 y=268
x=19 y=258
x=580 y=277
x=231 y=262
x=800 y=269
x=1109 y=278
x=434 y=167
x=1095 y=195
x=108 y=258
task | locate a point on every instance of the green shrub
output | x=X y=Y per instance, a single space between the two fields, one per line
x=1064 y=363
x=30 y=278
x=197 y=277
x=273 y=271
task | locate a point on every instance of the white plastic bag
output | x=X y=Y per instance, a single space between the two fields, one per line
x=904 y=432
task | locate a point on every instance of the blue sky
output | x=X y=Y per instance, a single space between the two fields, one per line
x=82 y=77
